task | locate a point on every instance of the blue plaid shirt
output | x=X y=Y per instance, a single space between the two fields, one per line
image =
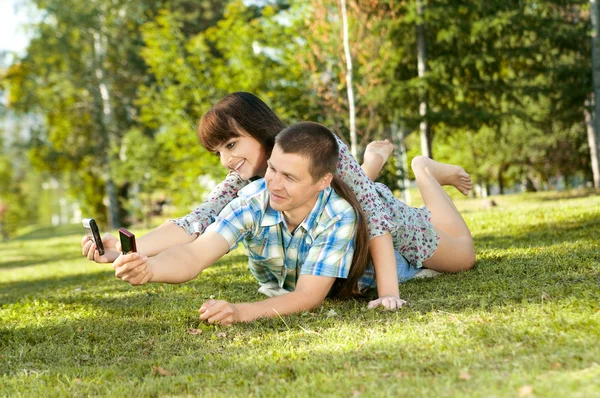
x=323 y=244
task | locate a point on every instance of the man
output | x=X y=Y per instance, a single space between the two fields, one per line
x=298 y=233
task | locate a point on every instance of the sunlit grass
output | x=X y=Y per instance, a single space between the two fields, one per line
x=525 y=321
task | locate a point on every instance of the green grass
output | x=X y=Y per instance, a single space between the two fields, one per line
x=524 y=322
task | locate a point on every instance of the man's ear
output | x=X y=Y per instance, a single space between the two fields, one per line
x=325 y=181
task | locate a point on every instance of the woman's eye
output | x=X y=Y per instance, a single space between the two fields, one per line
x=230 y=145
x=217 y=154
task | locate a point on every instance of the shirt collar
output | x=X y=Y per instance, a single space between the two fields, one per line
x=271 y=217
x=310 y=222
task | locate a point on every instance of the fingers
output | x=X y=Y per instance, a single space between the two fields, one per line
x=374 y=304
x=85 y=246
x=206 y=306
x=389 y=303
x=91 y=250
x=392 y=303
x=128 y=262
x=132 y=268
x=109 y=239
x=217 y=312
x=138 y=275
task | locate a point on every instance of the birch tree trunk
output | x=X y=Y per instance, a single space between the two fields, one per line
x=107 y=125
x=351 y=105
x=591 y=125
x=425 y=129
x=398 y=135
x=593 y=129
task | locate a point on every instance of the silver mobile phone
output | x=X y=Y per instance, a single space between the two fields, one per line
x=91 y=230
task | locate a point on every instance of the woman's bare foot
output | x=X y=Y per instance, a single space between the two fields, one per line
x=445 y=174
x=376 y=154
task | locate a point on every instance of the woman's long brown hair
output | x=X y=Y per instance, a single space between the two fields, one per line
x=349 y=287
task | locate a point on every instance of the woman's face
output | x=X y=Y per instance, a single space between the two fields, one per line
x=244 y=155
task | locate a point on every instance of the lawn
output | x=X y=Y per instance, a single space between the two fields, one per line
x=524 y=322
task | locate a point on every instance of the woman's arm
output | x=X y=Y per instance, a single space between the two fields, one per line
x=162 y=238
x=186 y=229
x=380 y=225
x=204 y=215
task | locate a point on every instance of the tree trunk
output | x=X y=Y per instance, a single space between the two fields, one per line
x=425 y=129
x=593 y=129
x=593 y=143
x=398 y=135
x=500 y=180
x=106 y=127
x=351 y=110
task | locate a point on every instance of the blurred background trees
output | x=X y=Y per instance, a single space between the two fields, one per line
x=116 y=89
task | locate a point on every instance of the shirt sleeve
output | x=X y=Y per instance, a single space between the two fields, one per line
x=332 y=250
x=234 y=222
x=204 y=215
x=349 y=171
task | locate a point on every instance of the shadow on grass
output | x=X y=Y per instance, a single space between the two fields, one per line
x=220 y=275
x=227 y=360
x=542 y=234
x=33 y=260
x=45 y=288
x=49 y=231
x=570 y=194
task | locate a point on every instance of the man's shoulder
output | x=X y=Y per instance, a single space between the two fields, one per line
x=335 y=209
x=255 y=189
x=255 y=195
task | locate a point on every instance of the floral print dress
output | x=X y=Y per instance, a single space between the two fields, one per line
x=410 y=227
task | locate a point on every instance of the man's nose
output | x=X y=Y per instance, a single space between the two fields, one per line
x=274 y=180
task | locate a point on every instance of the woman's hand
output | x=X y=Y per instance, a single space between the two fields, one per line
x=388 y=302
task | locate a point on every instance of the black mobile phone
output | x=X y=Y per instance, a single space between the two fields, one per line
x=127 y=241
x=91 y=230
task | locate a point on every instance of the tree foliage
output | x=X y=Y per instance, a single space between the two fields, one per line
x=121 y=85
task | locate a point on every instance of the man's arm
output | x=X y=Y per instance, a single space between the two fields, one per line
x=175 y=265
x=310 y=292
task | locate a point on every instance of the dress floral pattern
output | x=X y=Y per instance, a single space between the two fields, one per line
x=411 y=228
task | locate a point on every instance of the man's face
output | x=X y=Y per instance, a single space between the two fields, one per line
x=290 y=185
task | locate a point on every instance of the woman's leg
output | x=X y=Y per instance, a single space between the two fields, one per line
x=376 y=154
x=455 y=251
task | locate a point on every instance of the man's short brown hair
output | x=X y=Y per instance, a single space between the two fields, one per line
x=313 y=141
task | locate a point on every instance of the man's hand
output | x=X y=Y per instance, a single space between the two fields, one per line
x=133 y=268
x=220 y=312
x=388 y=302
x=90 y=250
